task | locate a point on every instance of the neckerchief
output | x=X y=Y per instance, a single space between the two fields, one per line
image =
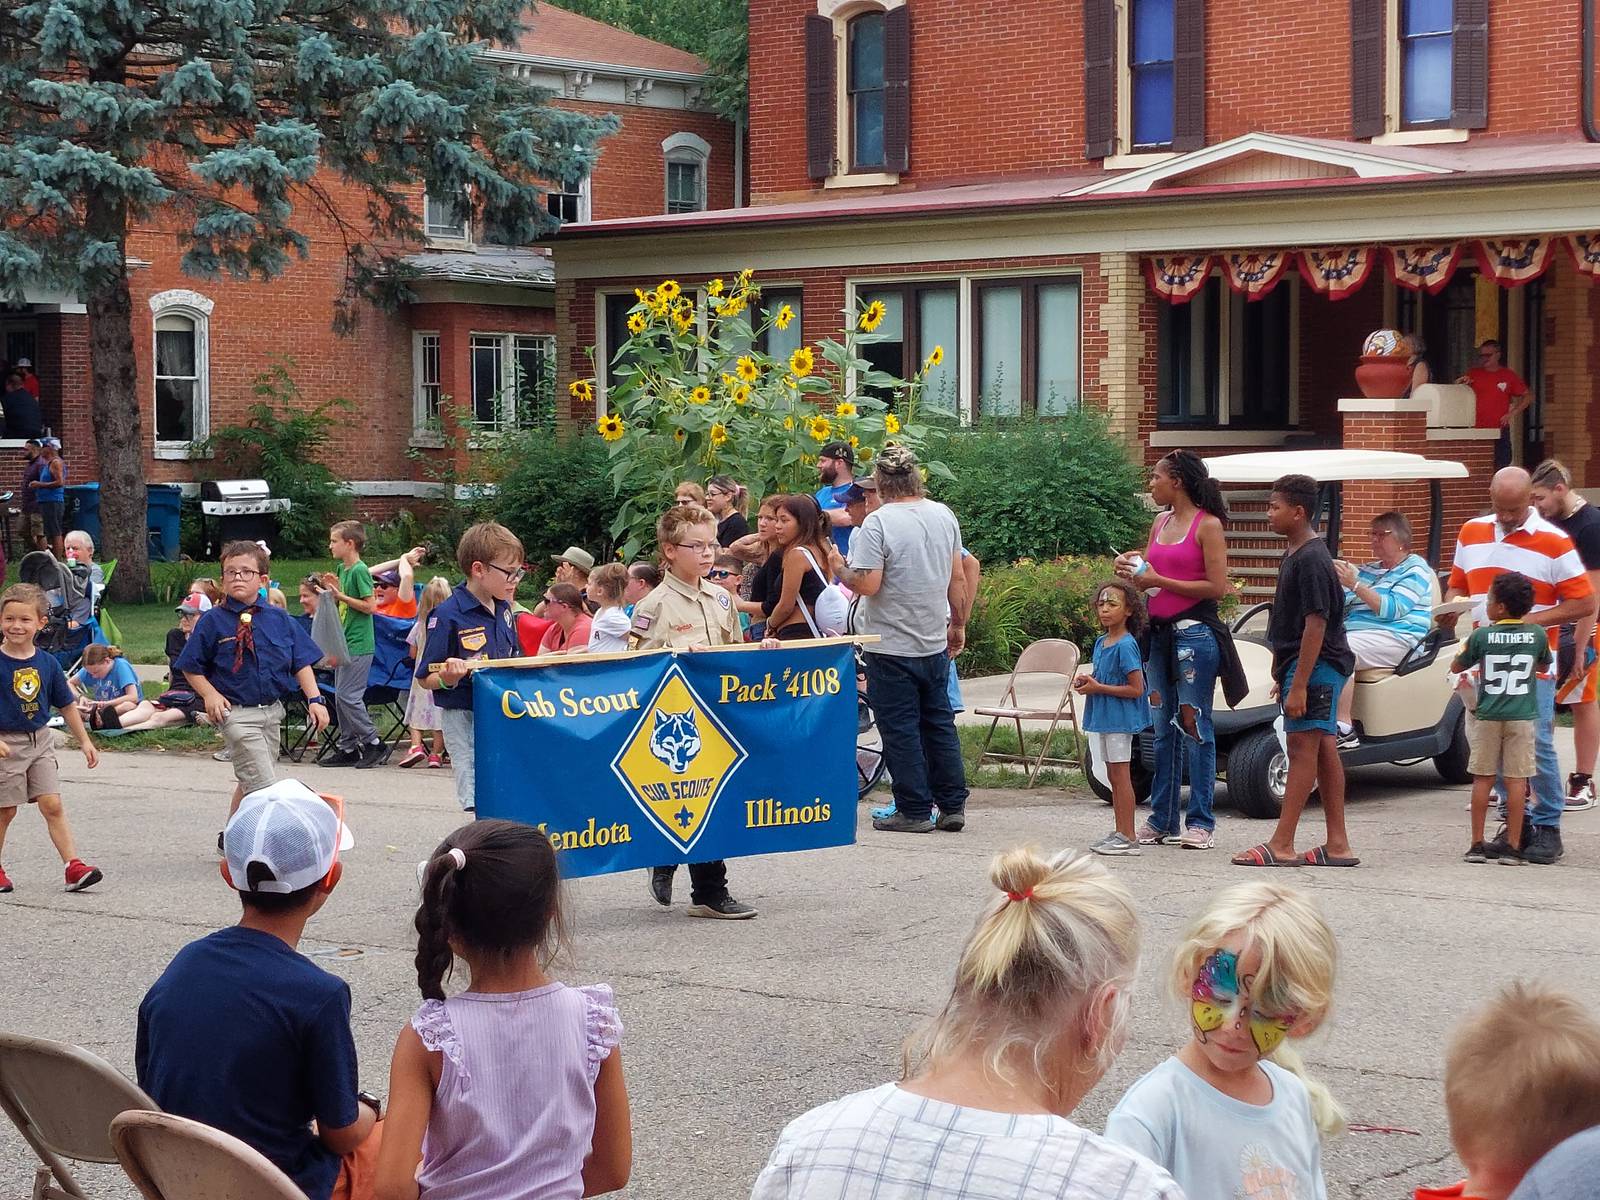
x=246 y=639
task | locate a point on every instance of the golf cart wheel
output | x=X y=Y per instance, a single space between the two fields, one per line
x=1142 y=778
x=1258 y=770
x=1452 y=764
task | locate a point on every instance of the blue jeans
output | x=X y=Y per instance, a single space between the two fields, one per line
x=1198 y=659
x=1548 y=798
x=911 y=699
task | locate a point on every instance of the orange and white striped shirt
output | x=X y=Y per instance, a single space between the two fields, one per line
x=1536 y=549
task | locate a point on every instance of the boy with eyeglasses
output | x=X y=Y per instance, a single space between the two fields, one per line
x=243 y=657
x=476 y=622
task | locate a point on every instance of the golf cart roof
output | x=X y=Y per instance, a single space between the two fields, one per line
x=1331 y=466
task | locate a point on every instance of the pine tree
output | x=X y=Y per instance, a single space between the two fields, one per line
x=236 y=125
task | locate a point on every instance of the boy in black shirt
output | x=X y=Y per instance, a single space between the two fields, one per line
x=1311 y=665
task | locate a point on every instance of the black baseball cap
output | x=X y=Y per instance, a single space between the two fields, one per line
x=839 y=450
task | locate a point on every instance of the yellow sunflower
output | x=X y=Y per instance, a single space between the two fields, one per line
x=700 y=395
x=745 y=277
x=729 y=381
x=820 y=429
x=658 y=303
x=788 y=422
x=741 y=395
x=845 y=409
x=669 y=289
x=581 y=389
x=683 y=318
x=678 y=435
x=785 y=315
x=643 y=299
x=610 y=427
x=891 y=423
x=719 y=434
x=802 y=362
x=637 y=323
x=714 y=288
x=731 y=307
x=855 y=442
x=747 y=369
x=872 y=316
x=936 y=356
x=865 y=454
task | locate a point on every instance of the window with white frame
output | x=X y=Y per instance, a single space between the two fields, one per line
x=571 y=202
x=1426 y=29
x=1223 y=360
x=445 y=219
x=513 y=382
x=686 y=156
x=427 y=384
x=181 y=370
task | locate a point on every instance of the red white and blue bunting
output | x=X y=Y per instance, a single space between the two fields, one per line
x=1423 y=266
x=1585 y=251
x=1512 y=262
x=1254 y=273
x=1337 y=271
x=1177 y=277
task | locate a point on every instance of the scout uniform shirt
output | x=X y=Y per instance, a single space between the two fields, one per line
x=461 y=627
x=680 y=615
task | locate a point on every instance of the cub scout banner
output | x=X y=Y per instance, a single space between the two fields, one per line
x=649 y=759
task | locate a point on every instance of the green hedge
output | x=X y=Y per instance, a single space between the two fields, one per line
x=556 y=494
x=1030 y=600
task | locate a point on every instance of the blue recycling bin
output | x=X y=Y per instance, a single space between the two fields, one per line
x=83 y=509
x=163 y=508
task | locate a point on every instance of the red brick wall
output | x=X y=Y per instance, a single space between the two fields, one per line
x=630 y=180
x=999 y=90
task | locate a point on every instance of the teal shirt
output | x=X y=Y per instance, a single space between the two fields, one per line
x=1511 y=654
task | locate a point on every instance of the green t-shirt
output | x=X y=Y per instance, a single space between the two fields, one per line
x=356 y=580
x=1511 y=653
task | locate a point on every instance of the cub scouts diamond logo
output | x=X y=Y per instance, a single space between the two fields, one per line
x=26 y=683
x=676 y=761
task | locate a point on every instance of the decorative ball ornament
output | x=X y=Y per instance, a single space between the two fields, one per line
x=1383 y=373
x=1383 y=343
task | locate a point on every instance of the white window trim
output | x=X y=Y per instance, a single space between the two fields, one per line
x=1124 y=155
x=685 y=147
x=422 y=433
x=464 y=242
x=840 y=13
x=508 y=377
x=585 y=199
x=1393 y=134
x=195 y=307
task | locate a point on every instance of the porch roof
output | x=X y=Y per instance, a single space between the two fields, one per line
x=488 y=264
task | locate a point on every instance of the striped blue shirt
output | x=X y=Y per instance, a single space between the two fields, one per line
x=1405 y=594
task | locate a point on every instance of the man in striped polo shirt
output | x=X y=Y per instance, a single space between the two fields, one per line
x=1514 y=537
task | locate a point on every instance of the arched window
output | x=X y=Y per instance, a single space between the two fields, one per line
x=181 y=369
x=864 y=89
x=686 y=158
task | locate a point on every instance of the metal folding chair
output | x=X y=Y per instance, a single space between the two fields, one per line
x=1048 y=656
x=174 y=1158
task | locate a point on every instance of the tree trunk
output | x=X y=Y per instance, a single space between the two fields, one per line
x=118 y=432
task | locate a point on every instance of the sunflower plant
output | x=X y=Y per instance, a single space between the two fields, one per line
x=696 y=396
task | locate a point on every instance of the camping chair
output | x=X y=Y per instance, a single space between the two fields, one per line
x=174 y=1158
x=388 y=687
x=1048 y=656
x=61 y=1099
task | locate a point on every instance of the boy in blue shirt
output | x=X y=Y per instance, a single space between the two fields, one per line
x=31 y=684
x=476 y=622
x=243 y=657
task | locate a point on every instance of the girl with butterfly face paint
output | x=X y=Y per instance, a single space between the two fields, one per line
x=1233 y=1113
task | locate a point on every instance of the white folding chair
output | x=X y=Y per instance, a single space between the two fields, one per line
x=174 y=1158
x=1048 y=656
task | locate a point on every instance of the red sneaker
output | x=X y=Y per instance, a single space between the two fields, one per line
x=414 y=756
x=5 y=881
x=435 y=761
x=81 y=875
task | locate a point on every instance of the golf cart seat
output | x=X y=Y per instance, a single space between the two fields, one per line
x=1420 y=655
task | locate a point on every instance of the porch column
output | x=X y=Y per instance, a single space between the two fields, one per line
x=1121 y=324
x=1572 y=358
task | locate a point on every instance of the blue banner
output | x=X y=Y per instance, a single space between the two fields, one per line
x=661 y=757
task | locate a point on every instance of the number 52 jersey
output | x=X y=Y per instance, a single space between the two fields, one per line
x=1510 y=654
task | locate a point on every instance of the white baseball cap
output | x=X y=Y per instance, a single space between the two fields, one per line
x=288 y=829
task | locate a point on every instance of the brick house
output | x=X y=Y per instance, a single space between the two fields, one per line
x=1188 y=213
x=480 y=333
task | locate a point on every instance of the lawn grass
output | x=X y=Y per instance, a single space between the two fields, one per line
x=1014 y=775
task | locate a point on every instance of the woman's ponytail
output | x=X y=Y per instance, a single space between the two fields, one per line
x=434 y=956
x=1325 y=1110
x=1189 y=469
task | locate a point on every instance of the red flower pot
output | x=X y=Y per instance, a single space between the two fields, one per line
x=1381 y=377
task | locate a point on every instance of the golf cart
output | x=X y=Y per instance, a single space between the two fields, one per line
x=1403 y=715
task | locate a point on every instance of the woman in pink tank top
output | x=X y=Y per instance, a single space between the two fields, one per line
x=1183 y=574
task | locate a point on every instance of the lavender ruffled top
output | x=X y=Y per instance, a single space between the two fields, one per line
x=513 y=1116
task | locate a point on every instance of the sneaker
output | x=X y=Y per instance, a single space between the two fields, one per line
x=1149 y=835
x=1115 y=843
x=414 y=756
x=1197 y=839
x=81 y=875
x=371 y=755
x=1580 y=793
x=660 y=885
x=898 y=822
x=951 y=822
x=434 y=762
x=726 y=909
x=341 y=758
x=1476 y=853
x=1544 y=848
x=1348 y=741
x=5 y=881
x=1503 y=851
x=223 y=755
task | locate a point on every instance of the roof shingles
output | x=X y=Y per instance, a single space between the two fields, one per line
x=556 y=33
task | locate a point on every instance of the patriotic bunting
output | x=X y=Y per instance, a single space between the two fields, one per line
x=1177 y=277
x=1337 y=271
x=1512 y=262
x=1423 y=266
x=1585 y=251
x=1254 y=273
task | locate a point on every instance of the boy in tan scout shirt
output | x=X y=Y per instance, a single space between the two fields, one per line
x=687 y=611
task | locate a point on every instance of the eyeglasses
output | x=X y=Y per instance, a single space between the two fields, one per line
x=715 y=492
x=695 y=547
x=686 y=500
x=240 y=573
x=719 y=573
x=513 y=574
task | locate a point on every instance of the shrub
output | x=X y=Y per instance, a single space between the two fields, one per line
x=1030 y=600
x=1044 y=489
x=557 y=493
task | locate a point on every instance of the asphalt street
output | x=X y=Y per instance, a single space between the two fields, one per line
x=735 y=1028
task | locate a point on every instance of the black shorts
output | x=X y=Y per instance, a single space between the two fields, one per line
x=53 y=514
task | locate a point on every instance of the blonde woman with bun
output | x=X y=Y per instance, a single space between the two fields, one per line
x=1233 y=1112
x=982 y=1111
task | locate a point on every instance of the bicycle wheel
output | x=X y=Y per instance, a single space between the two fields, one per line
x=869 y=748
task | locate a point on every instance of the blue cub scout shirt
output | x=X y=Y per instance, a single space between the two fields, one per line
x=282 y=647
x=461 y=627
x=29 y=689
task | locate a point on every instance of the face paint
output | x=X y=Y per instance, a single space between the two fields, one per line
x=1268 y=1032
x=1215 y=1001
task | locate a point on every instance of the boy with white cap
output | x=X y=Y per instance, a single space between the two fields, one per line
x=245 y=1034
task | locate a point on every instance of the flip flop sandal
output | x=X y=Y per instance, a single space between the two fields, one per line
x=1261 y=856
x=1318 y=856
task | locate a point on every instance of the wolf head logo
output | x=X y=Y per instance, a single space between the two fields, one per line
x=27 y=684
x=675 y=740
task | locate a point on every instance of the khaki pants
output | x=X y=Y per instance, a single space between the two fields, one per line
x=252 y=736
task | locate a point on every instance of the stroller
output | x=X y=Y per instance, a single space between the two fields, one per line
x=64 y=585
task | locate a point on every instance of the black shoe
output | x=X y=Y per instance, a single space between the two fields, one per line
x=1544 y=847
x=951 y=822
x=726 y=909
x=1347 y=741
x=1503 y=851
x=898 y=822
x=1476 y=853
x=220 y=850
x=341 y=758
x=371 y=755
x=660 y=884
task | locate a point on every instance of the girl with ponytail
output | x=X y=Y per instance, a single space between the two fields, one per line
x=1233 y=1113
x=513 y=1087
x=1036 y=1016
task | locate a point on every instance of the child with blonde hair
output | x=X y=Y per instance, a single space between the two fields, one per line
x=1037 y=1015
x=1233 y=1112
x=1521 y=1075
x=608 y=631
x=422 y=713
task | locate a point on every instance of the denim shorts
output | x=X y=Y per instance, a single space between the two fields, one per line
x=1322 y=699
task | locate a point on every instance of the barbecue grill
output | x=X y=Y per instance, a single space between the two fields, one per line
x=238 y=510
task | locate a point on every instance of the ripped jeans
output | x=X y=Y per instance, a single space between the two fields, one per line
x=1198 y=661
